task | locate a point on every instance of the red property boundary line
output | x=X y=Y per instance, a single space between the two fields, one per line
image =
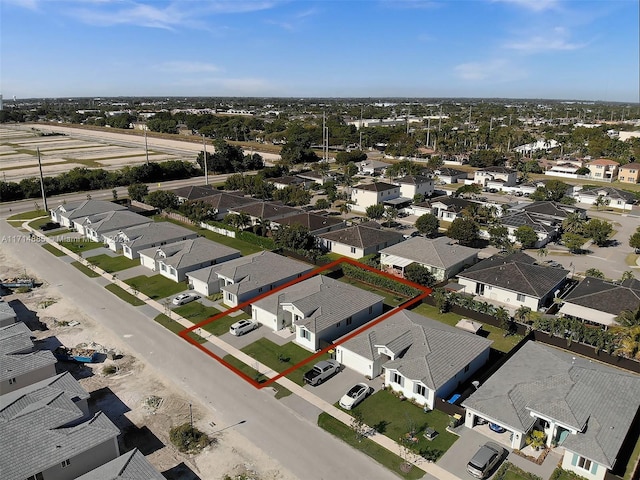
x=185 y=333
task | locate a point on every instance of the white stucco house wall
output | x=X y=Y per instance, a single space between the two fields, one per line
x=499 y=176
x=175 y=260
x=366 y=195
x=421 y=358
x=413 y=185
x=318 y=309
x=244 y=278
x=568 y=397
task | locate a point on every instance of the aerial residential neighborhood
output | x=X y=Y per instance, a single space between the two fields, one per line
x=310 y=240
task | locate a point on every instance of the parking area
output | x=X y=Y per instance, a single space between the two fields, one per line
x=333 y=389
x=456 y=458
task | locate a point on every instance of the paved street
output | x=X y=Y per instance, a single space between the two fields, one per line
x=290 y=438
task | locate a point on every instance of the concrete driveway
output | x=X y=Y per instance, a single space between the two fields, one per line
x=455 y=459
x=333 y=389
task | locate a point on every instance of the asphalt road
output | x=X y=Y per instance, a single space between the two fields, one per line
x=296 y=443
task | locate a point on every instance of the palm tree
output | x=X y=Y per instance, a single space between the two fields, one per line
x=574 y=223
x=344 y=208
x=523 y=314
x=629 y=318
x=628 y=342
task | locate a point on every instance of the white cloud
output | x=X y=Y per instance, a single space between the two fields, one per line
x=555 y=40
x=185 y=67
x=496 y=71
x=533 y=5
x=28 y=4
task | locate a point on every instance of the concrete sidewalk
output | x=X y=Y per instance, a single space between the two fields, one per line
x=386 y=442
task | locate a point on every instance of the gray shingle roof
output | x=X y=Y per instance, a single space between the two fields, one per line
x=267 y=210
x=441 y=252
x=323 y=300
x=154 y=233
x=599 y=400
x=414 y=180
x=429 y=351
x=63 y=382
x=550 y=209
x=190 y=252
x=42 y=429
x=376 y=186
x=311 y=221
x=194 y=192
x=517 y=272
x=116 y=220
x=224 y=201
x=516 y=220
x=604 y=296
x=22 y=363
x=6 y=312
x=88 y=207
x=129 y=466
x=361 y=236
x=15 y=338
x=608 y=192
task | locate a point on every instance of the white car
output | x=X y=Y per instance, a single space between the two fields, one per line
x=243 y=326
x=355 y=395
x=185 y=298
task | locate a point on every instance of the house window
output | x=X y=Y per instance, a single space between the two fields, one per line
x=521 y=297
x=37 y=476
x=306 y=334
x=163 y=267
x=260 y=289
x=66 y=463
x=349 y=321
x=371 y=309
x=12 y=381
x=584 y=463
x=480 y=289
x=353 y=249
x=420 y=389
x=397 y=378
x=466 y=369
x=229 y=296
x=338 y=324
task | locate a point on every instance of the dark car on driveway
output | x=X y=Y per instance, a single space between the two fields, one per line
x=485 y=460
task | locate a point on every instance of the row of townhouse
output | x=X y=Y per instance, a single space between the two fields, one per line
x=47 y=431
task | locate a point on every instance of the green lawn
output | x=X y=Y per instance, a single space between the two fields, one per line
x=395 y=419
x=279 y=358
x=86 y=270
x=509 y=471
x=281 y=391
x=155 y=287
x=196 y=312
x=28 y=215
x=391 y=299
x=124 y=295
x=80 y=245
x=368 y=447
x=221 y=326
x=500 y=342
x=245 y=248
x=632 y=259
x=176 y=327
x=560 y=474
x=51 y=249
x=36 y=224
x=113 y=264
x=60 y=231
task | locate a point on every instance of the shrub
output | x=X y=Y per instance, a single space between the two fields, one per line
x=378 y=280
x=188 y=439
x=109 y=369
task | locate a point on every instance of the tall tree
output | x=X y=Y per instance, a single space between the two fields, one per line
x=526 y=235
x=375 y=212
x=598 y=230
x=428 y=224
x=465 y=230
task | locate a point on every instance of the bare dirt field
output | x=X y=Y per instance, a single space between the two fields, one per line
x=137 y=398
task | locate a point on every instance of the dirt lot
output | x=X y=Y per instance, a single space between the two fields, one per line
x=136 y=397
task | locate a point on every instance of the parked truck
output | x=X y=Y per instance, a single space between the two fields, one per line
x=321 y=371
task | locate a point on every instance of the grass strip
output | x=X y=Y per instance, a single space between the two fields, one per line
x=86 y=270
x=122 y=294
x=176 y=327
x=51 y=249
x=369 y=447
x=27 y=215
x=281 y=391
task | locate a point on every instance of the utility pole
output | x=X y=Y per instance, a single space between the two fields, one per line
x=325 y=138
x=146 y=147
x=206 y=170
x=428 y=130
x=360 y=129
x=44 y=197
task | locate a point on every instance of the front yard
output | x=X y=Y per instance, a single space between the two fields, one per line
x=500 y=342
x=402 y=421
x=80 y=245
x=112 y=264
x=221 y=325
x=176 y=327
x=155 y=287
x=196 y=312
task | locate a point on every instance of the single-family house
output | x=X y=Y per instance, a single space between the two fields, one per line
x=45 y=435
x=244 y=278
x=193 y=192
x=368 y=194
x=450 y=175
x=174 y=260
x=358 y=240
x=495 y=177
x=603 y=169
x=223 y=202
x=260 y=211
x=548 y=211
x=66 y=213
x=442 y=256
x=629 y=173
x=313 y=177
x=7 y=314
x=20 y=365
x=287 y=181
x=95 y=226
x=599 y=301
x=513 y=280
x=140 y=237
x=613 y=197
x=129 y=466
x=584 y=407
x=319 y=309
x=546 y=231
x=314 y=223
x=421 y=358
x=413 y=185
x=372 y=167
x=446 y=208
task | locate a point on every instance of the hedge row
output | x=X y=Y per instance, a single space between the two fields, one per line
x=264 y=242
x=377 y=280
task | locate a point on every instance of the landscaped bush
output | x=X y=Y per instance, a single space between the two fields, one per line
x=560 y=474
x=507 y=468
x=263 y=242
x=188 y=439
x=380 y=281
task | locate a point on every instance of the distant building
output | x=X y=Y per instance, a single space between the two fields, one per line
x=629 y=173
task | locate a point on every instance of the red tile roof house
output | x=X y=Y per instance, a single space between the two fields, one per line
x=603 y=169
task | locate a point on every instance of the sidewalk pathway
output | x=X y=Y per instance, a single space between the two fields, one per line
x=386 y=442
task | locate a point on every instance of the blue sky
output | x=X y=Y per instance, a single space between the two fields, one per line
x=563 y=49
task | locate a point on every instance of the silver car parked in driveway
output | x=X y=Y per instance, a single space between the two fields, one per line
x=485 y=460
